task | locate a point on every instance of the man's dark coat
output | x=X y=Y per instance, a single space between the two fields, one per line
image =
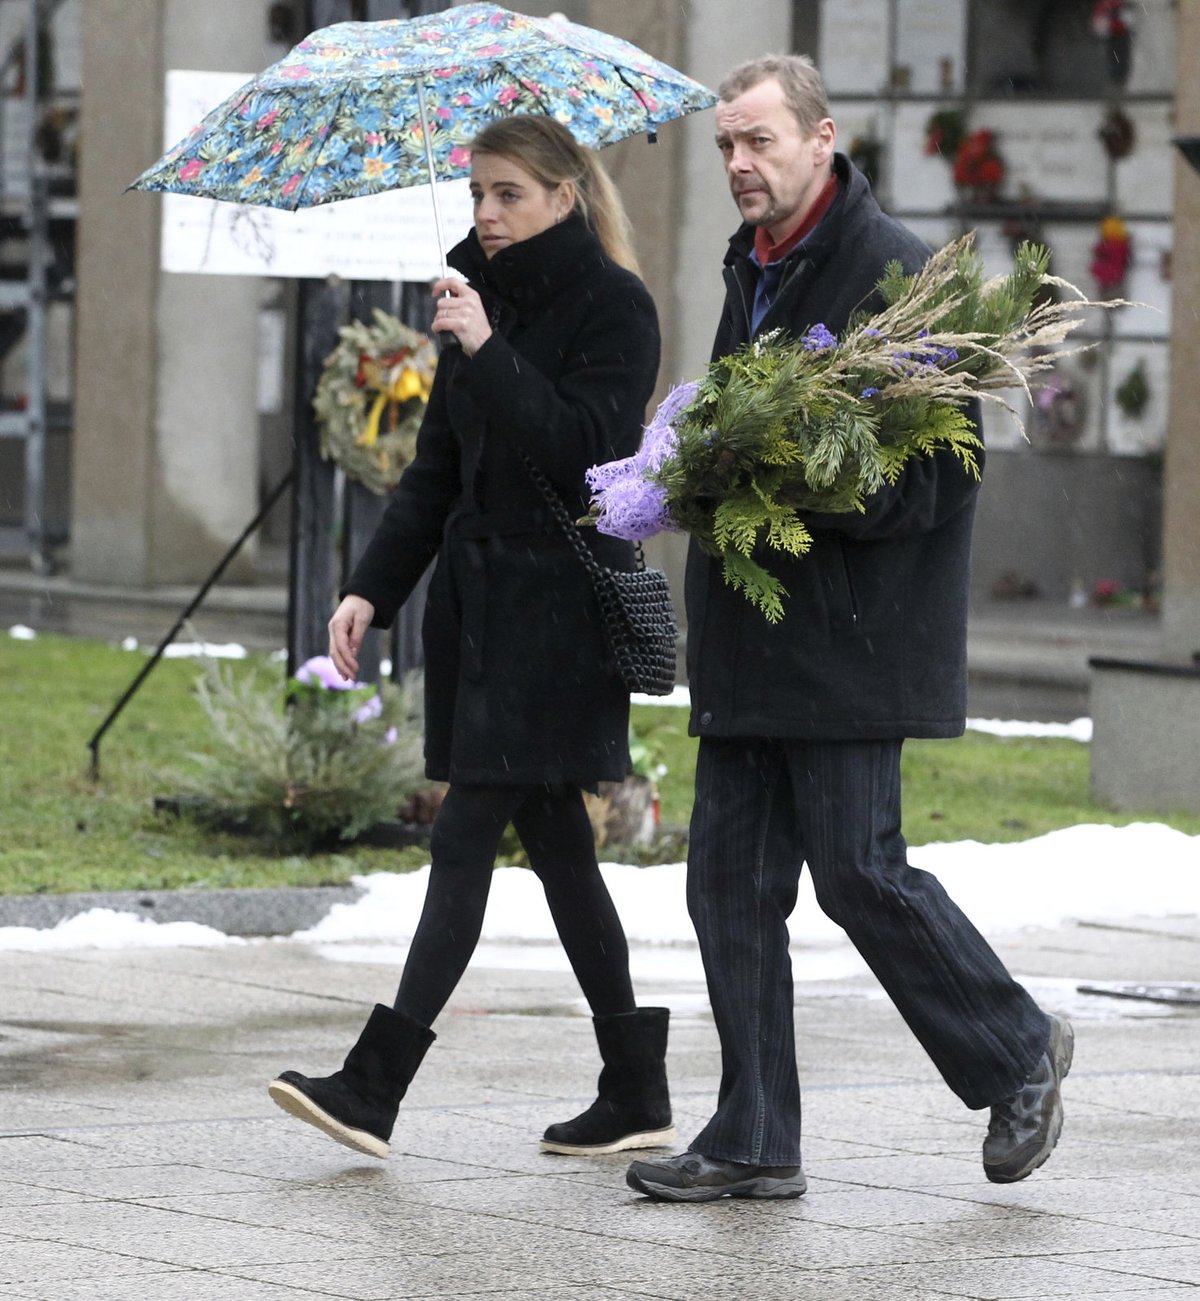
x=518 y=685
x=872 y=644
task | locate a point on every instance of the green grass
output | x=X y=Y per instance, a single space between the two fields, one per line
x=62 y=832
x=59 y=831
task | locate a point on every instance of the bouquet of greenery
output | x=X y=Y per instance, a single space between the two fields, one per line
x=783 y=427
x=323 y=759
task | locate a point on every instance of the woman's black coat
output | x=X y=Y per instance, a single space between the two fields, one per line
x=519 y=688
x=872 y=644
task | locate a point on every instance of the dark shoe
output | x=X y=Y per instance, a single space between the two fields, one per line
x=357 y=1105
x=633 y=1108
x=691 y=1177
x=1024 y=1128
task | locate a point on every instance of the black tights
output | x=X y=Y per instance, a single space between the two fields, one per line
x=554 y=828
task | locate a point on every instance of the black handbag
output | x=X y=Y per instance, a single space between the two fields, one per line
x=635 y=606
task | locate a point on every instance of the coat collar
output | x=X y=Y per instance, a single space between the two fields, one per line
x=529 y=274
x=819 y=243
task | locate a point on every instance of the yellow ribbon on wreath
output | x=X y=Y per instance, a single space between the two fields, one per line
x=392 y=394
x=371 y=397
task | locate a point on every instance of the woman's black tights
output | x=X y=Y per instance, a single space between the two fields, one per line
x=554 y=828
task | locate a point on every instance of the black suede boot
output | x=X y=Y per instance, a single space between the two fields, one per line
x=634 y=1107
x=357 y=1105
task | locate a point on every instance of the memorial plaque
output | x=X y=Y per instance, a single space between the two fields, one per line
x=854 y=46
x=931 y=43
x=920 y=182
x=1050 y=149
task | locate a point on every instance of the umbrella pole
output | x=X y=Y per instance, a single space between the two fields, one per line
x=437 y=210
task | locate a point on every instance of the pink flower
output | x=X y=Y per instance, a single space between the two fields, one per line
x=442 y=114
x=507 y=95
x=267 y=119
x=291 y=183
x=191 y=169
x=462 y=100
x=321 y=672
x=374 y=138
x=297 y=71
x=372 y=709
x=460 y=156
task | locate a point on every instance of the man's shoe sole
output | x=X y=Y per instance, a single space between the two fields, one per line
x=300 y=1105
x=647 y=1138
x=1063 y=1056
x=760 y=1188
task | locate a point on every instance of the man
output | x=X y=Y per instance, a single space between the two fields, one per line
x=801 y=722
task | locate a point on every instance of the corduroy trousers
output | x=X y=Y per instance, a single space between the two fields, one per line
x=765 y=807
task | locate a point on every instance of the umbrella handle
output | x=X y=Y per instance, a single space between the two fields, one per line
x=437 y=210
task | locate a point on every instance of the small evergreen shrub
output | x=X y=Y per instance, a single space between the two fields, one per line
x=316 y=760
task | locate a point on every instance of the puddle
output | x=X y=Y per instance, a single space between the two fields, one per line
x=55 y=1057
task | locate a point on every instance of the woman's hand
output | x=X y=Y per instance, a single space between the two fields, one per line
x=460 y=312
x=346 y=631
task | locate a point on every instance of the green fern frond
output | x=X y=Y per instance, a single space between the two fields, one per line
x=763 y=590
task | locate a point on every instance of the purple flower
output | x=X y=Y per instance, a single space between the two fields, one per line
x=817 y=338
x=320 y=671
x=933 y=357
x=390 y=736
x=372 y=709
x=869 y=392
x=633 y=508
x=629 y=505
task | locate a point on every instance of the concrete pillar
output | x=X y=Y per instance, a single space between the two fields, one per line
x=166 y=444
x=117 y=345
x=649 y=175
x=1181 y=475
x=719 y=36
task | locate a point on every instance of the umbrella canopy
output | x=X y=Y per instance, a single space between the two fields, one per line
x=358 y=108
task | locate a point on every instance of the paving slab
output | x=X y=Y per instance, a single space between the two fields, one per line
x=140 y=1155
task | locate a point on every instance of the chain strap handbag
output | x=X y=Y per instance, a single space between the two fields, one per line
x=635 y=605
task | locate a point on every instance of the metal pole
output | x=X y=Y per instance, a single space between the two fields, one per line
x=324 y=306
x=131 y=690
x=433 y=190
x=35 y=372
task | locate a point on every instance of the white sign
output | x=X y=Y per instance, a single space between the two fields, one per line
x=388 y=236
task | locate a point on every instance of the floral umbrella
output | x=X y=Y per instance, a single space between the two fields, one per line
x=358 y=108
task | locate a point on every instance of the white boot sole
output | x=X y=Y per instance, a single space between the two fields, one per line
x=648 y=1138
x=304 y=1108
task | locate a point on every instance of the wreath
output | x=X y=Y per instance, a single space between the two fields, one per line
x=371 y=397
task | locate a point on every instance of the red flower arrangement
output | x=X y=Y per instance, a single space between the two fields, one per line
x=977 y=165
x=1111 y=18
x=1111 y=254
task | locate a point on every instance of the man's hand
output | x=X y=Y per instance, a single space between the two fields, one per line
x=346 y=631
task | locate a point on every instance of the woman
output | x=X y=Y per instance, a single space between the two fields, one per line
x=554 y=358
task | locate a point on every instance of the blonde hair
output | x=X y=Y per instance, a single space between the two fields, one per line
x=803 y=89
x=552 y=155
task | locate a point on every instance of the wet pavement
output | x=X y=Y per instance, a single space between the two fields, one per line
x=141 y=1157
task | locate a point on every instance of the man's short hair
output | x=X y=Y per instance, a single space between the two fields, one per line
x=803 y=89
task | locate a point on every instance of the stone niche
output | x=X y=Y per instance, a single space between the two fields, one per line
x=1036 y=47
